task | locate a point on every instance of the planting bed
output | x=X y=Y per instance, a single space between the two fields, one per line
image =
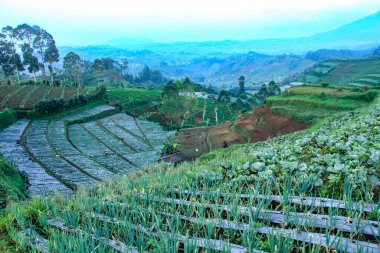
x=72 y=152
x=39 y=181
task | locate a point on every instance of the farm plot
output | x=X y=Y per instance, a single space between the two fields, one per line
x=89 y=113
x=154 y=133
x=39 y=148
x=39 y=181
x=128 y=124
x=63 y=148
x=6 y=90
x=55 y=93
x=95 y=149
x=13 y=99
x=135 y=142
x=36 y=96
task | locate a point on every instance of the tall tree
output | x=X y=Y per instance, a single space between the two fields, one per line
x=98 y=68
x=241 y=84
x=26 y=34
x=73 y=67
x=41 y=44
x=10 y=61
x=30 y=60
x=51 y=56
x=12 y=37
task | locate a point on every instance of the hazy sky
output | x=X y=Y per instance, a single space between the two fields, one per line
x=91 y=22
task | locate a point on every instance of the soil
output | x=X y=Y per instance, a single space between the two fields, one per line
x=260 y=125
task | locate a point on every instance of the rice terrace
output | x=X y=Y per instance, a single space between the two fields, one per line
x=188 y=126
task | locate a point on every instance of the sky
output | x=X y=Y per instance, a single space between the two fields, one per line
x=94 y=22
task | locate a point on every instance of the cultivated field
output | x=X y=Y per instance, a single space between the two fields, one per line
x=311 y=191
x=309 y=103
x=69 y=153
x=25 y=97
x=361 y=72
x=259 y=125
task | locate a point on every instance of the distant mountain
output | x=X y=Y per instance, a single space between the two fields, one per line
x=224 y=72
x=361 y=34
x=130 y=43
x=220 y=62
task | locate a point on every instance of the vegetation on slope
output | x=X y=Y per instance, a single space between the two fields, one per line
x=345 y=72
x=143 y=211
x=12 y=185
x=7 y=117
x=310 y=103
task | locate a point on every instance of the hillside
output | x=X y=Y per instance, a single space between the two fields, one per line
x=221 y=62
x=243 y=198
x=352 y=72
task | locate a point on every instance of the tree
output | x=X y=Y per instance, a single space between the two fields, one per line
x=10 y=61
x=30 y=60
x=241 y=84
x=42 y=43
x=11 y=36
x=170 y=91
x=98 y=68
x=51 y=56
x=73 y=67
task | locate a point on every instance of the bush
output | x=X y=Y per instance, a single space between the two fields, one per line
x=368 y=96
x=56 y=105
x=325 y=84
x=51 y=106
x=7 y=117
x=322 y=95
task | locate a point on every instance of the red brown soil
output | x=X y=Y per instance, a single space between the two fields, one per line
x=260 y=125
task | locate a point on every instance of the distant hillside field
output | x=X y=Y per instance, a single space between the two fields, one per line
x=356 y=72
x=146 y=104
x=25 y=97
x=310 y=102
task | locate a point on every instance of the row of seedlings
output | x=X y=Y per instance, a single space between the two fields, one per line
x=40 y=183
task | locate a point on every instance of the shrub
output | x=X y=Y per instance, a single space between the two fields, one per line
x=325 y=84
x=368 y=96
x=51 y=106
x=56 y=105
x=322 y=95
x=7 y=117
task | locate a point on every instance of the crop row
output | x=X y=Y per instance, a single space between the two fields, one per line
x=27 y=96
x=40 y=182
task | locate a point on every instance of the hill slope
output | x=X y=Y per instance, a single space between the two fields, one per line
x=199 y=205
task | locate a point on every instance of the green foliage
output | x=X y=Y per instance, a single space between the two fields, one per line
x=170 y=147
x=325 y=84
x=57 y=105
x=135 y=102
x=265 y=91
x=7 y=117
x=12 y=185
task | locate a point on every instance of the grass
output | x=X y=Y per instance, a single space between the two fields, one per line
x=143 y=211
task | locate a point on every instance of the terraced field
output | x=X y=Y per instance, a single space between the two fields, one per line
x=311 y=191
x=358 y=72
x=25 y=97
x=61 y=155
